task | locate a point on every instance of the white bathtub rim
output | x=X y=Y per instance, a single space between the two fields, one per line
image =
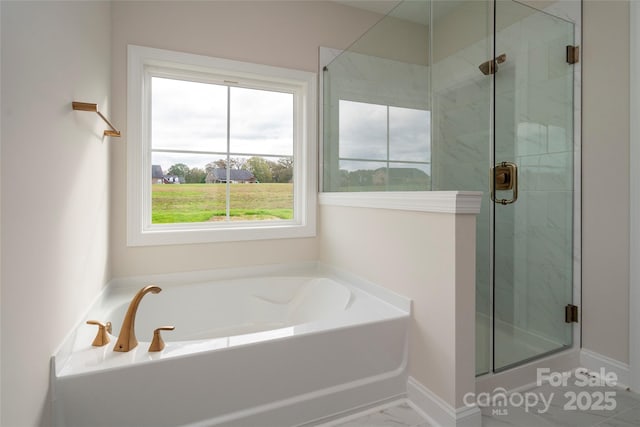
x=124 y=289
x=59 y=373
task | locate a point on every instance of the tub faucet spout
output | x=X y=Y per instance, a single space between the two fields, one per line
x=127 y=339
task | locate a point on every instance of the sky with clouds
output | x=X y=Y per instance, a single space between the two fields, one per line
x=192 y=116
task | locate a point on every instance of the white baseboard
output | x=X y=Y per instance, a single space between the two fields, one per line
x=439 y=412
x=596 y=362
x=525 y=377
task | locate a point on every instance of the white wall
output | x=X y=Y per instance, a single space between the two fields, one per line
x=55 y=188
x=605 y=177
x=428 y=257
x=0 y=219
x=396 y=39
x=284 y=34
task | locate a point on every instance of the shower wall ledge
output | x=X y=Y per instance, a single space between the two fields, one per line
x=454 y=202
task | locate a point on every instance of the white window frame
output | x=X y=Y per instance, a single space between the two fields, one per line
x=140 y=230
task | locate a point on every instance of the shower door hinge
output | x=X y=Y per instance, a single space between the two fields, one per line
x=571 y=313
x=573 y=54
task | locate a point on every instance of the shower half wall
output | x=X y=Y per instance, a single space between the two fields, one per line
x=414 y=105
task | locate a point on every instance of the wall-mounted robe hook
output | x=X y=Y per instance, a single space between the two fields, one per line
x=85 y=106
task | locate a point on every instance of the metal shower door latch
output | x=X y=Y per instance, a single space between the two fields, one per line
x=504 y=177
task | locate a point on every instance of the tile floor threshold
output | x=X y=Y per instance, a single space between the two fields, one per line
x=548 y=406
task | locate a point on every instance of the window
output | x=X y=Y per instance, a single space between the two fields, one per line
x=383 y=147
x=218 y=150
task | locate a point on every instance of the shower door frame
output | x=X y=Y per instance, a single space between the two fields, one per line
x=634 y=175
x=564 y=358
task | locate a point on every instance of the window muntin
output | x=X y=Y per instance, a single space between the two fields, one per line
x=219 y=111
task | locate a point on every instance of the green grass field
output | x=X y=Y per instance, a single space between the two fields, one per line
x=206 y=202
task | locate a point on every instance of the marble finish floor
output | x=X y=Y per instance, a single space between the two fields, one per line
x=555 y=410
x=401 y=413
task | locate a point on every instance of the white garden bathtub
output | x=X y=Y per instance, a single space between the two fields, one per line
x=262 y=351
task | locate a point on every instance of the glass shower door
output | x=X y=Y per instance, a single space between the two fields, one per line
x=533 y=184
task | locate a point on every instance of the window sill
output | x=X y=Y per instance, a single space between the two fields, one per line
x=194 y=234
x=454 y=202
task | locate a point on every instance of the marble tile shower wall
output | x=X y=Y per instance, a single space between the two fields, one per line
x=365 y=78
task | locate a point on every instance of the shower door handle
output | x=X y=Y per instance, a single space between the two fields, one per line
x=504 y=177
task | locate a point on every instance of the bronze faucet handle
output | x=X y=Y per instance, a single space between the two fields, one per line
x=102 y=337
x=157 y=344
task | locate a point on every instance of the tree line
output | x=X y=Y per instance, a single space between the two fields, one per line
x=280 y=171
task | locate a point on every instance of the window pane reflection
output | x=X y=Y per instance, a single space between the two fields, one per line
x=409 y=134
x=362 y=131
x=383 y=148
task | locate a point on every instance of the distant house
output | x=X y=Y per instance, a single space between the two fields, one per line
x=236 y=176
x=157 y=176
x=173 y=179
